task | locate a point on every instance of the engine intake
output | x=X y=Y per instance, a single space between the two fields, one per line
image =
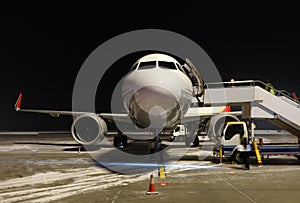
x=88 y=129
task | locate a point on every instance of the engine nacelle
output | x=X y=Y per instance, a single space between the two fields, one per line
x=217 y=123
x=88 y=129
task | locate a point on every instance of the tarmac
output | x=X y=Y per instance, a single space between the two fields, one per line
x=50 y=168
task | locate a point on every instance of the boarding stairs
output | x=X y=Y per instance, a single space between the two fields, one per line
x=280 y=108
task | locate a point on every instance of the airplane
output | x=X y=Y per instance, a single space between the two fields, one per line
x=158 y=94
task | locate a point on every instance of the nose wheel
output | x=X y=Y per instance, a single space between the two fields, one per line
x=155 y=145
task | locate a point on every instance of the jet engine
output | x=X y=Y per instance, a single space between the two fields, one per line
x=217 y=123
x=88 y=129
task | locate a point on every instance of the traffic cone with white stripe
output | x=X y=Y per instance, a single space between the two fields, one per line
x=151 y=190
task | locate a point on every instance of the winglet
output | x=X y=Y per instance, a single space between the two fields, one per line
x=294 y=96
x=18 y=103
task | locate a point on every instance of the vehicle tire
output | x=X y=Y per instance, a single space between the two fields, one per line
x=237 y=157
x=298 y=157
x=180 y=138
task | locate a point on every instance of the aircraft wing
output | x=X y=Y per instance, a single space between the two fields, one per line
x=55 y=113
x=200 y=113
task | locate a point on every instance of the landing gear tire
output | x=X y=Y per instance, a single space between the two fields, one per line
x=157 y=142
x=116 y=141
x=120 y=140
x=154 y=145
x=124 y=140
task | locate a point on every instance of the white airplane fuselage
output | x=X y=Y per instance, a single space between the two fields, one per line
x=157 y=96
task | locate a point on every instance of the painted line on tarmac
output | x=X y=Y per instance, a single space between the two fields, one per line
x=116 y=197
x=233 y=187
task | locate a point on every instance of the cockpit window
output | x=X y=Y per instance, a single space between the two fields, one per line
x=134 y=66
x=180 y=67
x=147 y=65
x=166 y=64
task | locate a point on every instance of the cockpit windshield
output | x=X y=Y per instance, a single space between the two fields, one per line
x=147 y=65
x=167 y=65
x=152 y=64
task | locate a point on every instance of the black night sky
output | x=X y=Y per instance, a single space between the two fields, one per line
x=43 y=48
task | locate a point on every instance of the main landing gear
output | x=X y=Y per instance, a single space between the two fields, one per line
x=120 y=140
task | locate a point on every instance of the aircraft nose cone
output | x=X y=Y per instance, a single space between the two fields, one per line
x=158 y=117
x=153 y=106
x=151 y=97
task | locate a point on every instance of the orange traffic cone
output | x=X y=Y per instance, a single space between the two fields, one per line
x=151 y=187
